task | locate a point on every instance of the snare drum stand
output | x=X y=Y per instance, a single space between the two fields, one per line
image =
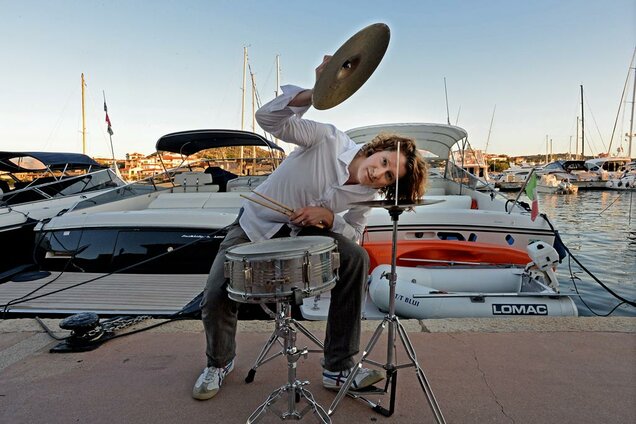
x=394 y=326
x=294 y=388
x=282 y=320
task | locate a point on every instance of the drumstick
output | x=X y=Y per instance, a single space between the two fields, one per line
x=283 y=211
x=286 y=211
x=276 y=202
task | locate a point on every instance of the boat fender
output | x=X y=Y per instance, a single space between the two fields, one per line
x=559 y=246
x=545 y=258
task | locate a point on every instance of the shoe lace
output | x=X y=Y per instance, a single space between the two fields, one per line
x=210 y=373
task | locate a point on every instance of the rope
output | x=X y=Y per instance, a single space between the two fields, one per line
x=23 y=299
x=610 y=291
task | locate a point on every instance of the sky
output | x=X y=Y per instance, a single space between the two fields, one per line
x=167 y=66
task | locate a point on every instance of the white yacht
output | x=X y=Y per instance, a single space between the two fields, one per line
x=35 y=186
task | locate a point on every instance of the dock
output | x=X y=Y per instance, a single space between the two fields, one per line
x=519 y=370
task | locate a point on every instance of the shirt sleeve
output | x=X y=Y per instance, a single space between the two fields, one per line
x=285 y=122
x=351 y=224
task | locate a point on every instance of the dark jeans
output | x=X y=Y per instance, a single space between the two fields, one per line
x=342 y=339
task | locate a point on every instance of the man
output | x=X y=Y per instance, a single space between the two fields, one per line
x=319 y=180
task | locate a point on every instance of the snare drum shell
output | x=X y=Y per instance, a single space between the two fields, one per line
x=274 y=270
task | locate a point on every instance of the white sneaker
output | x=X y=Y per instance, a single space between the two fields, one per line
x=364 y=378
x=210 y=380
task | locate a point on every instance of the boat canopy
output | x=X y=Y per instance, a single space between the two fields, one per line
x=573 y=165
x=193 y=141
x=42 y=161
x=435 y=138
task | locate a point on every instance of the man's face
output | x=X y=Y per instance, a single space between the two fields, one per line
x=380 y=169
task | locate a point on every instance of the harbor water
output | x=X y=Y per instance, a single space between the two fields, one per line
x=599 y=229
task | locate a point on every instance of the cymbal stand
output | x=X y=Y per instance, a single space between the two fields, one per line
x=394 y=326
x=294 y=388
x=282 y=320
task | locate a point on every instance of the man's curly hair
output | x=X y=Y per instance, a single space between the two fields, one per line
x=412 y=186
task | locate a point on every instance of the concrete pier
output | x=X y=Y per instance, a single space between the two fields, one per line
x=534 y=370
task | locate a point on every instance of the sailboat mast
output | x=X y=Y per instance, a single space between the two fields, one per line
x=631 y=121
x=277 y=73
x=276 y=94
x=83 y=118
x=253 y=119
x=243 y=88
x=576 y=142
x=490 y=128
x=243 y=98
x=582 y=126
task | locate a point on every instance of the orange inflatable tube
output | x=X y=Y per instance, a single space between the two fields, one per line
x=444 y=251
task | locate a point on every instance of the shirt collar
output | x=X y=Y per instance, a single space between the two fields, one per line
x=345 y=159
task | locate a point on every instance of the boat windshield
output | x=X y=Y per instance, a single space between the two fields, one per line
x=65 y=186
x=245 y=161
x=147 y=185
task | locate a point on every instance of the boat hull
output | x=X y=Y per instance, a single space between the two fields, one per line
x=486 y=293
x=18 y=242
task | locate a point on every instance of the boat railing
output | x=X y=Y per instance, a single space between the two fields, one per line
x=67 y=186
x=464 y=178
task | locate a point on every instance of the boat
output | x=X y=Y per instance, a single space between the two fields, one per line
x=147 y=245
x=608 y=167
x=626 y=180
x=513 y=179
x=35 y=186
x=474 y=162
x=549 y=183
x=150 y=253
x=574 y=171
x=438 y=288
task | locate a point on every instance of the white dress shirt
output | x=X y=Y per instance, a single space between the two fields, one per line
x=314 y=174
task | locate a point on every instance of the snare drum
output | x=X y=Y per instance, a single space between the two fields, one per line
x=281 y=269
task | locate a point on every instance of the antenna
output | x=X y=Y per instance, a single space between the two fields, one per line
x=397 y=174
x=446 y=94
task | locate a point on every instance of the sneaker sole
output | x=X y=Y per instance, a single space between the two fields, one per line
x=209 y=395
x=366 y=384
x=203 y=396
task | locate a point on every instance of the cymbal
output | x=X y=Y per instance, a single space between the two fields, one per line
x=390 y=204
x=351 y=66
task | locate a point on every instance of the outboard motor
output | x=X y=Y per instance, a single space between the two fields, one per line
x=546 y=258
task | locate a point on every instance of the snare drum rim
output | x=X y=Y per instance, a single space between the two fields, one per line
x=322 y=244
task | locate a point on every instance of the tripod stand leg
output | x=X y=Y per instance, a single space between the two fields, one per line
x=258 y=413
x=345 y=387
x=318 y=410
x=430 y=397
x=307 y=333
x=391 y=377
x=261 y=356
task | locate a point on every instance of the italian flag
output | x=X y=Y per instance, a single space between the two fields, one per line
x=531 y=192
